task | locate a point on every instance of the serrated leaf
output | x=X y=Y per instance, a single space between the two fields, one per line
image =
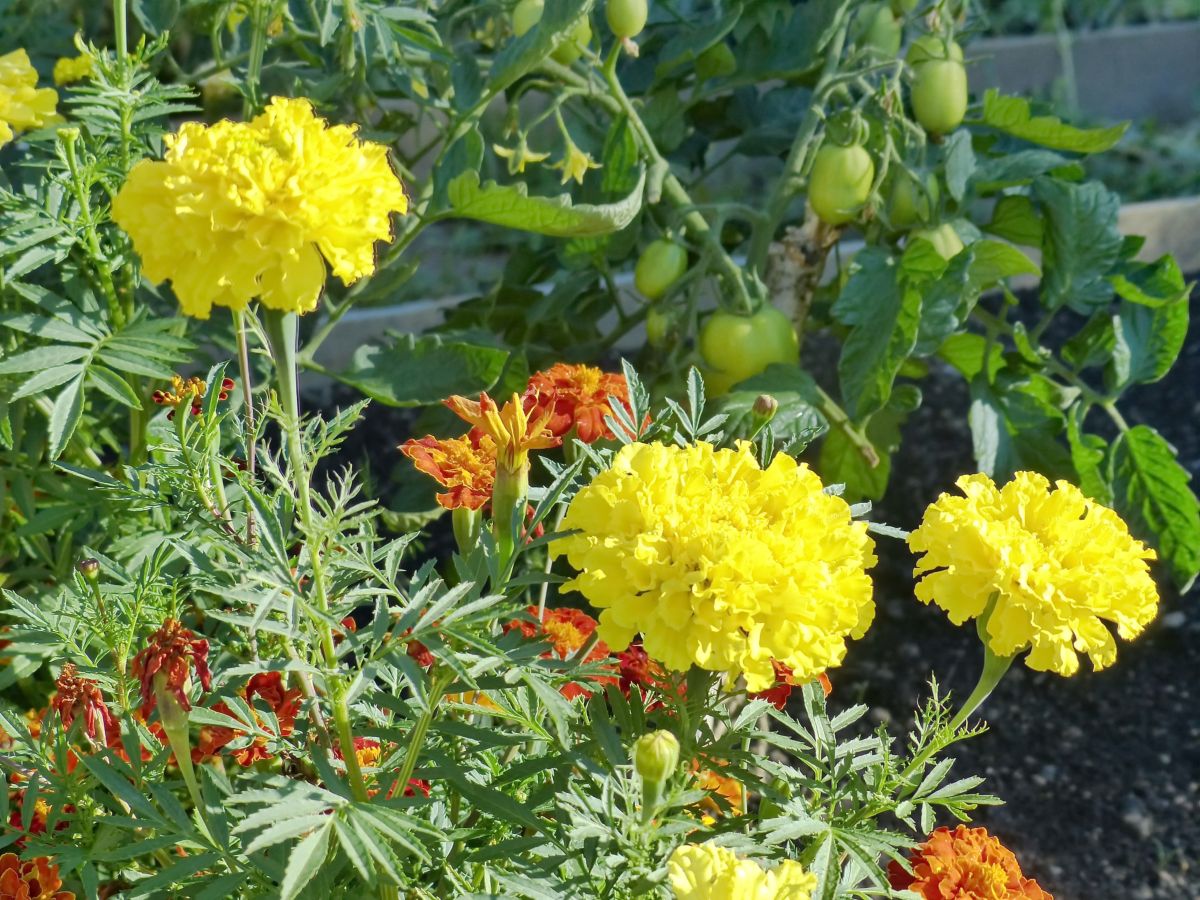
x=1081 y=245
x=1012 y=115
x=304 y=861
x=1148 y=341
x=41 y=358
x=522 y=55
x=1151 y=490
x=418 y=371
x=64 y=417
x=512 y=207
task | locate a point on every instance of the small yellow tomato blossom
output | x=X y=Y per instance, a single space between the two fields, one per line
x=575 y=164
x=709 y=872
x=23 y=105
x=70 y=69
x=1058 y=564
x=518 y=157
x=243 y=210
x=720 y=563
x=511 y=427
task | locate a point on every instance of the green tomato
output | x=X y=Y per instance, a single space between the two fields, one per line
x=572 y=46
x=526 y=14
x=660 y=266
x=736 y=347
x=877 y=27
x=626 y=18
x=944 y=238
x=939 y=87
x=840 y=182
x=910 y=203
x=716 y=62
x=659 y=325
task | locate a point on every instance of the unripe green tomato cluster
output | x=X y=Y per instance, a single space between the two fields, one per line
x=626 y=18
x=877 y=27
x=939 y=86
x=737 y=347
x=528 y=13
x=840 y=182
x=660 y=266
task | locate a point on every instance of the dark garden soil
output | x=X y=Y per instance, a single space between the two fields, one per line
x=1100 y=773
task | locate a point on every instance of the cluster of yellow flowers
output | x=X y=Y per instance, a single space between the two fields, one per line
x=71 y=69
x=239 y=210
x=1057 y=564
x=23 y=105
x=708 y=872
x=720 y=563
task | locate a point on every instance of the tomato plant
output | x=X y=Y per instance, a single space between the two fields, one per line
x=661 y=264
x=939 y=86
x=626 y=18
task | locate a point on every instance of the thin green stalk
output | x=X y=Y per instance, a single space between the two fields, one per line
x=239 y=327
x=793 y=170
x=120 y=28
x=281 y=329
x=258 y=49
x=437 y=686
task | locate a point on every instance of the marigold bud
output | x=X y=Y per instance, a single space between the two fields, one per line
x=656 y=756
x=765 y=407
x=88 y=568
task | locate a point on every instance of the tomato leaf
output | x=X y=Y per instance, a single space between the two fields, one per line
x=1012 y=115
x=885 y=315
x=1151 y=491
x=512 y=207
x=1082 y=243
x=1148 y=341
x=418 y=371
x=524 y=54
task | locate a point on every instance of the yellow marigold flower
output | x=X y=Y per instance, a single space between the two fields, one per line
x=70 y=69
x=23 y=105
x=1058 y=564
x=243 y=210
x=708 y=872
x=720 y=563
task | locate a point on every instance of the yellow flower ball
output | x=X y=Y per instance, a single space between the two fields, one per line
x=1059 y=564
x=23 y=105
x=708 y=872
x=243 y=210
x=720 y=563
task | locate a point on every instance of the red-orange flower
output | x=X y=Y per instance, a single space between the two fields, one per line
x=265 y=686
x=778 y=695
x=465 y=465
x=166 y=663
x=965 y=864
x=730 y=790
x=516 y=428
x=38 y=822
x=567 y=631
x=77 y=698
x=578 y=397
x=30 y=879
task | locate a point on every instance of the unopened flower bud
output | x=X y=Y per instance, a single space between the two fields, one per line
x=765 y=407
x=89 y=568
x=656 y=756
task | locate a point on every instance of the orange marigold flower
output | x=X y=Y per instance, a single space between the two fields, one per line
x=578 y=397
x=465 y=465
x=778 y=694
x=965 y=864
x=78 y=697
x=567 y=631
x=30 y=879
x=284 y=703
x=38 y=822
x=165 y=663
x=732 y=791
x=516 y=428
